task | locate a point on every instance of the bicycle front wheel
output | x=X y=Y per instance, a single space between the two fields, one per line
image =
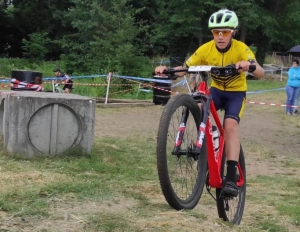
x=182 y=174
x=232 y=209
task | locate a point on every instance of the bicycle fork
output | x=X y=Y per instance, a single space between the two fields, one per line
x=181 y=130
x=202 y=126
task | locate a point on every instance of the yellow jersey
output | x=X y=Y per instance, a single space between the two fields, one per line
x=208 y=54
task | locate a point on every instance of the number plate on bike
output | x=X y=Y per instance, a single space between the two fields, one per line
x=200 y=68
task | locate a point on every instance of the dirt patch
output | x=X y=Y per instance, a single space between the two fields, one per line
x=261 y=134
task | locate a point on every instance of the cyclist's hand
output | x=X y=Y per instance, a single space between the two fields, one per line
x=159 y=71
x=242 y=66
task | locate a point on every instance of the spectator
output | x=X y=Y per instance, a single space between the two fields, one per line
x=38 y=81
x=65 y=78
x=293 y=86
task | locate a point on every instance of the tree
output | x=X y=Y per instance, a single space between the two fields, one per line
x=105 y=39
x=36 y=47
x=180 y=27
x=21 y=18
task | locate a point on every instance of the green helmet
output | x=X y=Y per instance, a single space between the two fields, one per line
x=223 y=18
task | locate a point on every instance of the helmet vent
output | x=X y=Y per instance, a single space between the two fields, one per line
x=219 y=18
x=212 y=19
x=228 y=17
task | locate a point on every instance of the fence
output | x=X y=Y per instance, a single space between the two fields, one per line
x=284 y=59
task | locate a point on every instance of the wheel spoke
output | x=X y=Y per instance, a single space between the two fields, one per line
x=182 y=183
x=232 y=208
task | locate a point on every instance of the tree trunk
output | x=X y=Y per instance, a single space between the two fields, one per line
x=200 y=38
x=179 y=51
x=243 y=32
x=263 y=46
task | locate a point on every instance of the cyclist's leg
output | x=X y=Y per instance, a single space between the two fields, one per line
x=229 y=208
x=218 y=98
x=67 y=88
x=234 y=108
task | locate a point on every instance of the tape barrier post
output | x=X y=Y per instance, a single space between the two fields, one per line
x=53 y=86
x=108 y=78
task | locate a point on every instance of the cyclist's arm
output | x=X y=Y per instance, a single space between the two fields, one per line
x=259 y=71
x=160 y=69
x=244 y=65
x=247 y=59
x=67 y=78
x=195 y=59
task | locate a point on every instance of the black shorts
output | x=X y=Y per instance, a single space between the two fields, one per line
x=233 y=102
x=68 y=85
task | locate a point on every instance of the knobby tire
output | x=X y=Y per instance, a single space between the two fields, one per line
x=239 y=200
x=180 y=193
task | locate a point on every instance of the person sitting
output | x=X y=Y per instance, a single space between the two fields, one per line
x=65 y=78
x=38 y=81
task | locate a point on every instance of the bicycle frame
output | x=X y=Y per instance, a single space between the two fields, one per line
x=56 y=88
x=214 y=158
x=205 y=131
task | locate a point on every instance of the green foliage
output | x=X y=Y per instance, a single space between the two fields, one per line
x=36 y=47
x=99 y=36
x=105 y=39
x=254 y=85
x=9 y=64
x=253 y=48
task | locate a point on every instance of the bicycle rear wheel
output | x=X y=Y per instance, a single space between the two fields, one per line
x=232 y=209
x=182 y=175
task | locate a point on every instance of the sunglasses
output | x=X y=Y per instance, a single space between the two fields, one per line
x=221 y=32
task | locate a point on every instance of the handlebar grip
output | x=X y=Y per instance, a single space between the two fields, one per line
x=252 y=68
x=170 y=74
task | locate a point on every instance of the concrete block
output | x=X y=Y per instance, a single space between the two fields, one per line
x=40 y=124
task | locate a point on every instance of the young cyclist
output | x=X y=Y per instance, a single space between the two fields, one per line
x=64 y=77
x=228 y=93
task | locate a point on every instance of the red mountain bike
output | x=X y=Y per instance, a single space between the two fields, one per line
x=187 y=158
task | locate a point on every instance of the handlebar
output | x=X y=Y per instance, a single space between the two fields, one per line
x=220 y=71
